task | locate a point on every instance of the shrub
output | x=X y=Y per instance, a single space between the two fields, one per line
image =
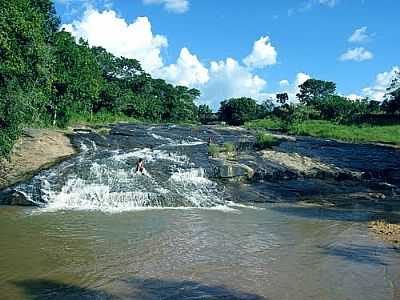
x=270 y=123
x=213 y=150
x=265 y=140
x=229 y=147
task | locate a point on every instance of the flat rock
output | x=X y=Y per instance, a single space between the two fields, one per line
x=305 y=166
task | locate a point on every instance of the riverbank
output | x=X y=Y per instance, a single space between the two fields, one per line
x=36 y=150
x=325 y=129
x=387 y=231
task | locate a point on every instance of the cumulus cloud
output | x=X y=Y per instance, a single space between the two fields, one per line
x=217 y=81
x=354 y=97
x=188 y=70
x=262 y=55
x=382 y=81
x=229 y=79
x=135 y=40
x=176 y=6
x=357 y=54
x=284 y=83
x=360 y=35
x=293 y=88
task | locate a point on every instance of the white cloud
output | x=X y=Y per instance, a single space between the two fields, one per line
x=135 y=40
x=187 y=71
x=229 y=79
x=262 y=55
x=176 y=6
x=378 y=90
x=310 y=4
x=360 y=35
x=293 y=89
x=357 y=54
x=284 y=83
x=217 y=81
x=354 y=97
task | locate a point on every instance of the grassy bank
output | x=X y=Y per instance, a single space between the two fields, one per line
x=349 y=133
x=101 y=119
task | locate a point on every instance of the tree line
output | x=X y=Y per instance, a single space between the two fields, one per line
x=47 y=77
x=318 y=100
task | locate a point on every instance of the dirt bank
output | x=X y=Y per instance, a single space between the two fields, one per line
x=387 y=231
x=35 y=150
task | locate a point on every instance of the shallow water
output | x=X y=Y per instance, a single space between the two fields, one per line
x=248 y=253
x=103 y=233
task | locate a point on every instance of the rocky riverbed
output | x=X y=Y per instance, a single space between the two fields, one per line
x=301 y=169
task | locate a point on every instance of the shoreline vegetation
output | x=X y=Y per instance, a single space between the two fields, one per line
x=90 y=85
x=363 y=133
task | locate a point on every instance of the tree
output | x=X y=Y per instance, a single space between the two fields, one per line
x=313 y=91
x=205 y=113
x=78 y=81
x=268 y=105
x=25 y=73
x=237 y=111
x=391 y=104
x=282 y=98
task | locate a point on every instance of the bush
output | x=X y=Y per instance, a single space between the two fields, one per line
x=237 y=111
x=270 y=123
x=265 y=140
x=229 y=147
x=213 y=150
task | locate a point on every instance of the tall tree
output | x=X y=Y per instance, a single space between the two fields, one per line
x=205 y=113
x=391 y=105
x=25 y=76
x=313 y=91
x=282 y=98
x=237 y=111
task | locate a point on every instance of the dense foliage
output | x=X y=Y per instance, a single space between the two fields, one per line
x=46 y=77
x=237 y=111
x=317 y=100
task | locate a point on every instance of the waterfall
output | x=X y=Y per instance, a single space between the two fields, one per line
x=105 y=180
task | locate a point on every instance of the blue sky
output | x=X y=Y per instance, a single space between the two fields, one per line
x=351 y=42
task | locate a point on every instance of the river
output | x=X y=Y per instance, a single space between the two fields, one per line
x=102 y=232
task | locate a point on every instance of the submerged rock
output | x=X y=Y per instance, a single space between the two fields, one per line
x=231 y=170
x=13 y=197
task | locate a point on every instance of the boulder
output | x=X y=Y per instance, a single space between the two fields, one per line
x=13 y=197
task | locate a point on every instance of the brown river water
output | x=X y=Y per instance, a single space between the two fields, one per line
x=101 y=232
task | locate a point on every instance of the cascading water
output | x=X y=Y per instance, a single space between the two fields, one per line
x=105 y=180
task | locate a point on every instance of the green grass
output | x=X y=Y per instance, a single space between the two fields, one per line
x=229 y=147
x=350 y=133
x=270 y=123
x=101 y=119
x=213 y=150
x=265 y=140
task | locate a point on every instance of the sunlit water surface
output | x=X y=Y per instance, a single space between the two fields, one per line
x=104 y=233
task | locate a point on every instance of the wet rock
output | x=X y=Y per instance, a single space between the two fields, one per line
x=13 y=197
x=228 y=169
x=298 y=165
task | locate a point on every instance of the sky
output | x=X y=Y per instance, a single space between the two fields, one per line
x=249 y=48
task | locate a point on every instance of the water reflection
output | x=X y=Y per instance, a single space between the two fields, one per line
x=135 y=288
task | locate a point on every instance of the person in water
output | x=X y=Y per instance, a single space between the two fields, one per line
x=140 y=166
